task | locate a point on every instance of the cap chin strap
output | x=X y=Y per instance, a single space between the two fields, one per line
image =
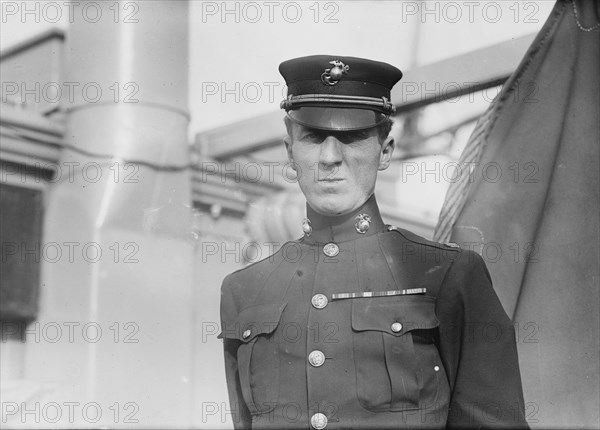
x=382 y=104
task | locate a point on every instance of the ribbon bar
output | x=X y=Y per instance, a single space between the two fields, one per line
x=340 y=296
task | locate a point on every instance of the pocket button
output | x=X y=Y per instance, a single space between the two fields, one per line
x=396 y=327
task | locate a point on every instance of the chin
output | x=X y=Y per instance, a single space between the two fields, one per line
x=331 y=206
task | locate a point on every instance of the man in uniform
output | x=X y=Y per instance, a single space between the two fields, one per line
x=359 y=324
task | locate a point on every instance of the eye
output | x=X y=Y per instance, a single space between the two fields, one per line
x=313 y=137
x=354 y=136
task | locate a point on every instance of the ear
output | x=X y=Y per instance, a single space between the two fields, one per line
x=385 y=156
x=287 y=140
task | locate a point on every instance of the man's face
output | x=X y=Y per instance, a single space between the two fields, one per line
x=337 y=170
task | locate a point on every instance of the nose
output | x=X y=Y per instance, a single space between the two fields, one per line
x=331 y=152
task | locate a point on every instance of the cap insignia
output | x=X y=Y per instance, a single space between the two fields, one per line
x=333 y=75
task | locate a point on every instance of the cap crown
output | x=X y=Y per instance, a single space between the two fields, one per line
x=333 y=92
x=366 y=78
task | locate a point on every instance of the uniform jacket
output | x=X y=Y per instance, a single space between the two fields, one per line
x=441 y=354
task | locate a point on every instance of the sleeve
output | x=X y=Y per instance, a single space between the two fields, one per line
x=478 y=349
x=240 y=414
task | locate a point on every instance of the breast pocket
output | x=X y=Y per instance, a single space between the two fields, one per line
x=257 y=355
x=397 y=363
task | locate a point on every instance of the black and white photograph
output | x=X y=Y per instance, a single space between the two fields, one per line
x=350 y=214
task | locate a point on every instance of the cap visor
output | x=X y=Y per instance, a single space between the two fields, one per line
x=336 y=119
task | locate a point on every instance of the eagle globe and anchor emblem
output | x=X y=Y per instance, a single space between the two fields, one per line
x=333 y=75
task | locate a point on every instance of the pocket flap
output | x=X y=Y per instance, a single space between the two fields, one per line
x=253 y=321
x=394 y=315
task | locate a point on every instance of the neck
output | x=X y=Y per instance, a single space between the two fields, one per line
x=343 y=227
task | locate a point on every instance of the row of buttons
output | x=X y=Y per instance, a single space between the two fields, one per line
x=316 y=358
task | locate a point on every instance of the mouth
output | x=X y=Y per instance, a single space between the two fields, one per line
x=331 y=180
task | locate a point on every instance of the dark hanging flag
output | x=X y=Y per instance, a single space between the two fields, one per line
x=528 y=202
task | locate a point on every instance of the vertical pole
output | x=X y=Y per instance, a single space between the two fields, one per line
x=120 y=294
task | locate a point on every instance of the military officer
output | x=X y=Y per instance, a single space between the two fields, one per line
x=359 y=324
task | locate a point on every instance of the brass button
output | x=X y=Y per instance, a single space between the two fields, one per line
x=316 y=358
x=318 y=421
x=246 y=334
x=436 y=368
x=396 y=327
x=331 y=249
x=319 y=301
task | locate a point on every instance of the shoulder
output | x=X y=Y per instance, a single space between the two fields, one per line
x=458 y=263
x=255 y=273
x=418 y=241
x=414 y=260
x=262 y=265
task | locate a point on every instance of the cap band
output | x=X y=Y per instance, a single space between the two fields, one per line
x=346 y=86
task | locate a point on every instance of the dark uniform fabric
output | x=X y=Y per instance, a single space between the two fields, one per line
x=443 y=355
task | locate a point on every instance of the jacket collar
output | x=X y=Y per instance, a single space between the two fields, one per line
x=342 y=228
